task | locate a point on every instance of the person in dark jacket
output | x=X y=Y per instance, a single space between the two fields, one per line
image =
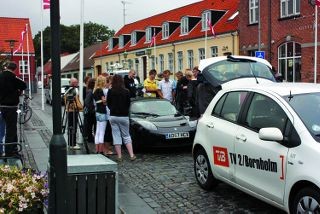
x=89 y=112
x=129 y=83
x=10 y=89
x=118 y=101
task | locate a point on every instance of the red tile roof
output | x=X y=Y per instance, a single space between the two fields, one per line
x=194 y=10
x=10 y=29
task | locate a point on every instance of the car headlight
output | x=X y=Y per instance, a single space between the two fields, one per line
x=147 y=125
x=193 y=123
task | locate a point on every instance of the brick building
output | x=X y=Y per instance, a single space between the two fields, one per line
x=10 y=30
x=287 y=35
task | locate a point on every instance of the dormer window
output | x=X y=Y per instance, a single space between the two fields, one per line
x=184 y=25
x=121 y=41
x=133 y=38
x=110 y=44
x=204 y=20
x=148 y=34
x=165 y=30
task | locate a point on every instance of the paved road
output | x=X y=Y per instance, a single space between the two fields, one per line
x=166 y=182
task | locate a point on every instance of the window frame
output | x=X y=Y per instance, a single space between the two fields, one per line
x=214 y=51
x=133 y=38
x=165 y=30
x=148 y=34
x=180 y=60
x=202 y=53
x=284 y=8
x=23 y=63
x=190 y=57
x=184 y=30
x=253 y=11
x=110 y=44
x=121 y=41
x=161 y=62
x=204 y=17
x=170 y=61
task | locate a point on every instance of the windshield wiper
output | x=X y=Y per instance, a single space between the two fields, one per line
x=146 y=114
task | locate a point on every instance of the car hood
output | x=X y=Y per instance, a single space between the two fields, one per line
x=166 y=121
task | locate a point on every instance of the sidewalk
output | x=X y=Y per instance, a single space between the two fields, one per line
x=36 y=137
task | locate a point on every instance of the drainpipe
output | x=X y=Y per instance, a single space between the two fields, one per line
x=269 y=31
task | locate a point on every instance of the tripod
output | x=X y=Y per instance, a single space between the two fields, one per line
x=72 y=117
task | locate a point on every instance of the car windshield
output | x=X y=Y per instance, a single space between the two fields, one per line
x=227 y=70
x=64 y=82
x=307 y=106
x=153 y=108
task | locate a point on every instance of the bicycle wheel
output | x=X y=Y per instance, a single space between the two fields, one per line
x=26 y=114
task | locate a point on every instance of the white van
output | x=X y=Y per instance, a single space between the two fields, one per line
x=48 y=92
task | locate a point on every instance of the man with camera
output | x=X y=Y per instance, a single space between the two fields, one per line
x=10 y=89
x=72 y=106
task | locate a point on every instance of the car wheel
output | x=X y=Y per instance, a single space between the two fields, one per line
x=307 y=200
x=202 y=170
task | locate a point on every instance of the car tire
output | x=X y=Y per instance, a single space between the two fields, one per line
x=307 y=200
x=202 y=170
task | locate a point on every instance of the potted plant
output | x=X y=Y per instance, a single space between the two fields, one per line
x=22 y=190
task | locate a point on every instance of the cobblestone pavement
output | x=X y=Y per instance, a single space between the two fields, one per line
x=165 y=180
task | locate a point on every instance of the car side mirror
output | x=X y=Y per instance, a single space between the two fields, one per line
x=270 y=134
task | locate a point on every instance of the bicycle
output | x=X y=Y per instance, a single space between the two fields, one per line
x=24 y=110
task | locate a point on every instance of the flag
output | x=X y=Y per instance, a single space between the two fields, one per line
x=23 y=32
x=211 y=27
x=317 y=3
x=46 y=4
x=153 y=39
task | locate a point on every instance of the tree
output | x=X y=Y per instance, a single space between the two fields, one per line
x=70 y=36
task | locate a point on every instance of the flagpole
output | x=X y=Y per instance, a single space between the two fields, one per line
x=315 y=43
x=23 y=70
x=205 y=43
x=155 y=49
x=81 y=52
x=41 y=41
x=28 y=52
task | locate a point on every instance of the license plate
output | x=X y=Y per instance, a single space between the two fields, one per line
x=177 y=135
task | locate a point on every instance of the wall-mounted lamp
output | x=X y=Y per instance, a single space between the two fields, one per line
x=125 y=54
x=224 y=48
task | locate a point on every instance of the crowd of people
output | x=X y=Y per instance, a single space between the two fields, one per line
x=106 y=103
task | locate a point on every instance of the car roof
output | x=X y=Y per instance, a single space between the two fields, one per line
x=206 y=62
x=282 y=89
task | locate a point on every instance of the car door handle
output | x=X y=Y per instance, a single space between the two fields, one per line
x=210 y=125
x=241 y=137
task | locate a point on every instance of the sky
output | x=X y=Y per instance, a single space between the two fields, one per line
x=105 y=12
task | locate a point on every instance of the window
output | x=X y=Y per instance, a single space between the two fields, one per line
x=265 y=112
x=184 y=25
x=23 y=67
x=253 y=11
x=190 y=59
x=290 y=61
x=229 y=105
x=133 y=38
x=110 y=44
x=165 y=30
x=121 y=41
x=204 y=20
x=152 y=63
x=130 y=64
x=290 y=8
x=107 y=66
x=202 y=54
x=180 y=61
x=161 y=61
x=148 y=34
x=214 y=51
x=170 y=61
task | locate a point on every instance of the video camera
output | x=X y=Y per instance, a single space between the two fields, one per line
x=70 y=92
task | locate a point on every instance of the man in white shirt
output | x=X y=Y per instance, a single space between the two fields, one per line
x=167 y=86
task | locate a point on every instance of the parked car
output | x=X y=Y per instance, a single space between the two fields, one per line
x=65 y=82
x=157 y=123
x=263 y=139
x=219 y=72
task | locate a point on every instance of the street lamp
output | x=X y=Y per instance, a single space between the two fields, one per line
x=11 y=45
